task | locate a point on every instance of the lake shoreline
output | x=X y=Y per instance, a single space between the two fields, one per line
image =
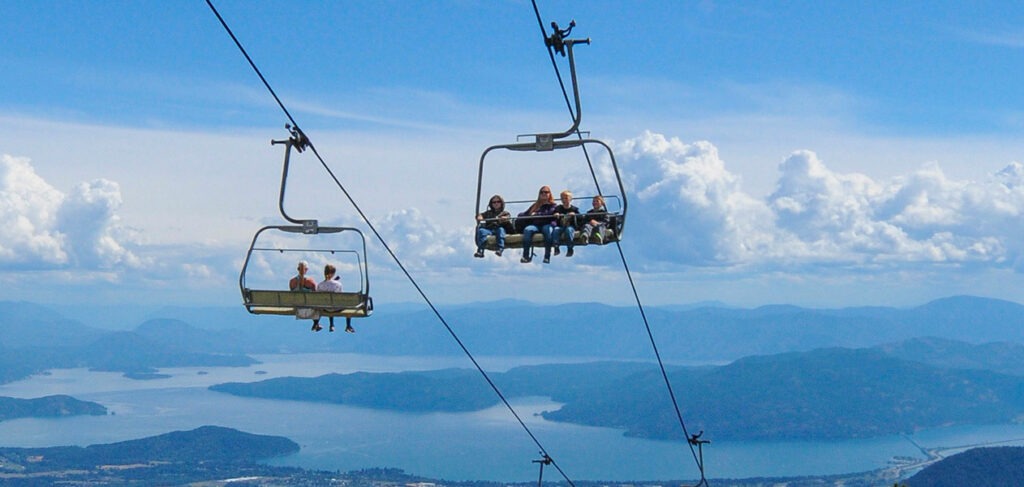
x=343 y=438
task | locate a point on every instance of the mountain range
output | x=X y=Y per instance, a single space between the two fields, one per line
x=686 y=335
x=34 y=337
x=785 y=371
x=822 y=394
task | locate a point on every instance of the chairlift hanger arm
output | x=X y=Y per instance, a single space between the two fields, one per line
x=299 y=142
x=568 y=44
x=558 y=42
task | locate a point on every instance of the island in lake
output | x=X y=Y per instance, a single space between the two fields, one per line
x=47 y=407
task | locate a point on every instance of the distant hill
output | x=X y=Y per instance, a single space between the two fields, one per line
x=405 y=391
x=35 y=338
x=179 y=334
x=449 y=390
x=511 y=328
x=825 y=393
x=47 y=407
x=208 y=444
x=18 y=363
x=1002 y=357
x=684 y=334
x=701 y=334
x=977 y=467
x=31 y=325
x=130 y=352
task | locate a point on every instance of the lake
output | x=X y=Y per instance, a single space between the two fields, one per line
x=481 y=445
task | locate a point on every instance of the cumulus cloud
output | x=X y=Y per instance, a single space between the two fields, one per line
x=43 y=228
x=28 y=216
x=686 y=207
x=419 y=241
x=88 y=218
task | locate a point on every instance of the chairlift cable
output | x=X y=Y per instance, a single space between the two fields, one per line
x=625 y=265
x=253 y=65
x=394 y=257
x=661 y=364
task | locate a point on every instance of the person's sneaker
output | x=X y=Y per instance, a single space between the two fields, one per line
x=526 y=260
x=547 y=260
x=568 y=253
x=331 y=329
x=479 y=254
x=557 y=251
x=349 y=329
x=498 y=252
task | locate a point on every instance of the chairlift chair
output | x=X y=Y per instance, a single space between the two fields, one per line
x=348 y=304
x=306 y=304
x=557 y=141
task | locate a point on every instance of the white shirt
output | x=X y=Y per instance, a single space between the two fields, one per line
x=330 y=285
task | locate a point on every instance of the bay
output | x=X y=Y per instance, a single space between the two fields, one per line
x=481 y=445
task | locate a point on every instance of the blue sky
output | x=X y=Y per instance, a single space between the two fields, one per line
x=823 y=154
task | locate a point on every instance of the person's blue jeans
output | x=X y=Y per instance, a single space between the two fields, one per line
x=549 y=238
x=527 y=240
x=569 y=232
x=482 y=234
x=527 y=237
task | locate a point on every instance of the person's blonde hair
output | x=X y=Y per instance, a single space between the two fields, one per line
x=566 y=192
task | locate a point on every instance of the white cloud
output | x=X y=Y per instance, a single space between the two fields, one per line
x=43 y=228
x=28 y=216
x=689 y=209
x=88 y=218
x=419 y=242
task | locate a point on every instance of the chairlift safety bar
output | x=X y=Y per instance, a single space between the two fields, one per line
x=363 y=267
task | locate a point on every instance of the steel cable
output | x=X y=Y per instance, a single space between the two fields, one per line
x=384 y=243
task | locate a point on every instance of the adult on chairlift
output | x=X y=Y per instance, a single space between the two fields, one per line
x=302 y=282
x=331 y=284
x=538 y=218
x=493 y=221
